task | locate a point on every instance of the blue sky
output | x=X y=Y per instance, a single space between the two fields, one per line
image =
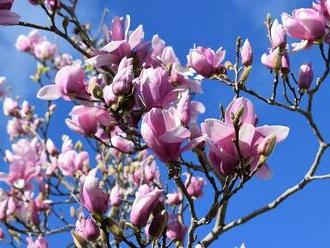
x=302 y=221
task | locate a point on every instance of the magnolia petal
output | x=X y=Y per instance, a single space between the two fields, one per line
x=136 y=37
x=281 y=132
x=175 y=135
x=49 y=92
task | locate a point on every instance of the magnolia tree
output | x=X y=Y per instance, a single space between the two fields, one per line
x=133 y=101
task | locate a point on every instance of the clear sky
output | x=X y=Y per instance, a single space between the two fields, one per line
x=302 y=221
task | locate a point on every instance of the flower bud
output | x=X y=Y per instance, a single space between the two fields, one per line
x=175 y=229
x=93 y=197
x=246 y=53
x=115 y=196
x=306 y=75
x=87 y=229
x=122 y=82
x=267 y=145
x=143 y=207
x=157 y=224
x=277 y=35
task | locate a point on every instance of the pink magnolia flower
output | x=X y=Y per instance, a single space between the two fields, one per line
x=223 y=153
x=147 y=172
x=63 y=60
x=305 y=24
x=7 y=17
x=71 y=162
x=175 y=229
x=164 y=134
x=10 y=107
x=123 y=81
x=155 y=88
x=123 y=44
x=277 y=35
x=143 y=206
x=25 y=163
x=248 y=116
x=275 y=60
x=306 y=75
x=86 y=120
x=8 y=205
x=116 y=196
x=69 y=82
x=14 y=128
x=38 y=243
x=143 y=190
x=92 y=196
x=246 y=53
x=195 y=186
x=87 y=229
x=45 y=50
x=109 y=96
x=174 y=198
x=27 y=43
x=205 y=61
x=122 y=144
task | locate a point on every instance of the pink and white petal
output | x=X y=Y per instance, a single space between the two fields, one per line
x=49 y=92
x=136 y=37
x=216 y=130
x=281 y=132
x=175 y=135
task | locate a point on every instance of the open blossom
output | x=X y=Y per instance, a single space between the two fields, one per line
x=122 y=43
x=155 y=88
x=86 y=120
x=7 y=17
x=205 y=61
x=69 y=82
x=87 y=229
x=27 y=43
x=45 y=50
x=143 y=206
x=38 y=243
x=10 y=107
x=305 y=24
x=220 y=135
x=164 y=134
x=70 y=162
x=25 y=162
x=92 y=196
